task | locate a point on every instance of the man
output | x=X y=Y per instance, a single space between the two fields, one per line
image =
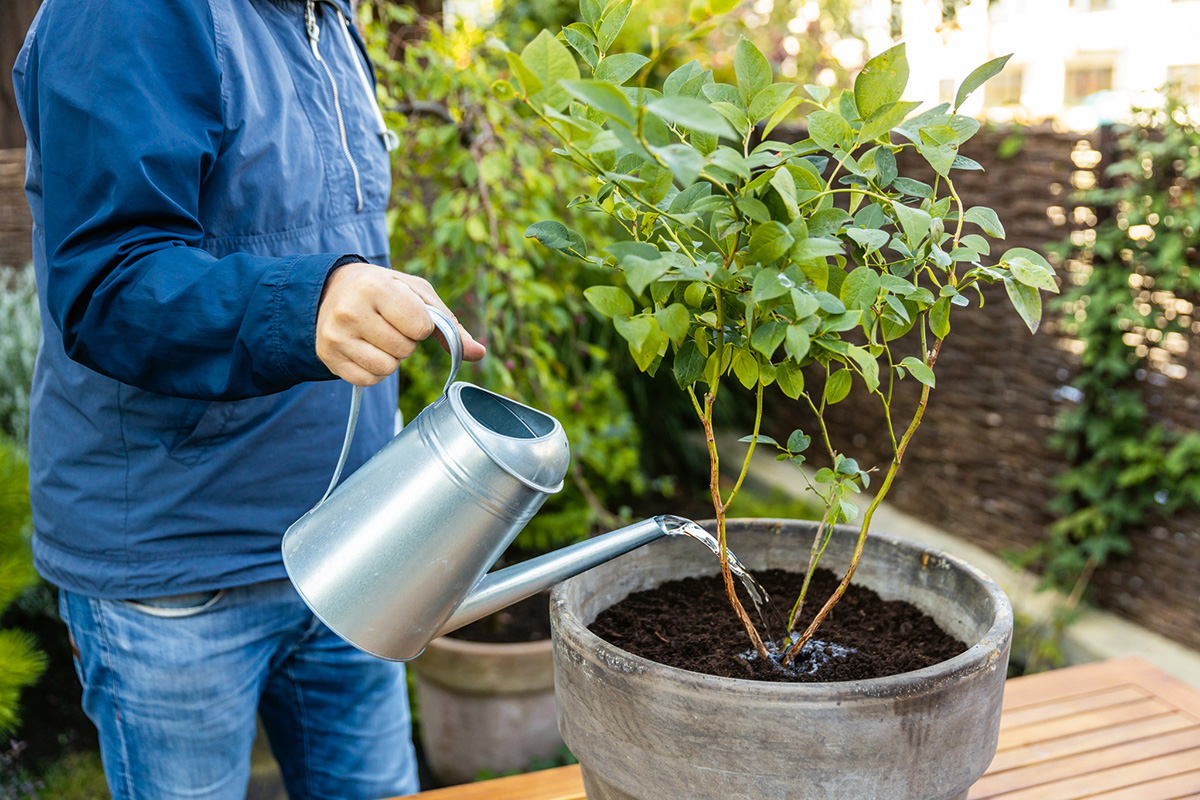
x=208 y=181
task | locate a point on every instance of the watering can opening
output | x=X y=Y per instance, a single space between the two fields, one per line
x=503 y=416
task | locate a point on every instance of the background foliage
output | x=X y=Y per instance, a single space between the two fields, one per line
x=1131 y=297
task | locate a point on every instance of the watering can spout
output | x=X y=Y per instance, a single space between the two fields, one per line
x=504 y=587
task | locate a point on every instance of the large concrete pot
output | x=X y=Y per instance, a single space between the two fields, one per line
x=644 y=731
x=485 y=708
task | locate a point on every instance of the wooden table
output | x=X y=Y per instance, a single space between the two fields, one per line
x=1114 y=730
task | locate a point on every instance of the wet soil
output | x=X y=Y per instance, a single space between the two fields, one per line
x=690 y=625
x=525 y=621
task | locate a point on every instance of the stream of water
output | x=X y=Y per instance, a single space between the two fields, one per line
x=679 y=526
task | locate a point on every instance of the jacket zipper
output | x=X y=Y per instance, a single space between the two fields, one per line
x=314 y=35
x=390 y=140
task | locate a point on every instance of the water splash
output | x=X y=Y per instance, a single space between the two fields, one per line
x=680 y=526
x=812 y=657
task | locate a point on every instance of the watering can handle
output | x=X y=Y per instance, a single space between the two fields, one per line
x=450 y=331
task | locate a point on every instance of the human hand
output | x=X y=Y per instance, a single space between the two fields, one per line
x=371 y=318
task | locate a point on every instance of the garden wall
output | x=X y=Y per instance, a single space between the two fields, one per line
x=981 y=467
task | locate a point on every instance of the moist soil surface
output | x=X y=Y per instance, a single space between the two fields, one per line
x=689 y=624
x=524 y=621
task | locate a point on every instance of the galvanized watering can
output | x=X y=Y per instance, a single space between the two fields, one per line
x=397 y=554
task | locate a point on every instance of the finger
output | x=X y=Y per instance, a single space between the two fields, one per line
x=377 y=331
x=369 y=358
x=472 y=349
x=404 y=309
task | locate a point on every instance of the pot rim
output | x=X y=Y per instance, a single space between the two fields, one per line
x=467 y=647
x=979 y=657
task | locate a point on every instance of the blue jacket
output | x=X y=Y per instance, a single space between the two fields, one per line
x=195 y=169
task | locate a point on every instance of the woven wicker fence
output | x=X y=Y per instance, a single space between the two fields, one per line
x=15 y=222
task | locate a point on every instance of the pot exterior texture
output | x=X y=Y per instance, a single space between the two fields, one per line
x=644 y=731
x=485 y=708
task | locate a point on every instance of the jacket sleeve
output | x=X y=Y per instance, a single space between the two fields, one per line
x=125 y=107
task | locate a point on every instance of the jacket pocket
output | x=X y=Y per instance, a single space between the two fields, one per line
x=179 y=605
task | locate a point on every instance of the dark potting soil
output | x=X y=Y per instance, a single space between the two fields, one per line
x=690 y=625
x=524 y=621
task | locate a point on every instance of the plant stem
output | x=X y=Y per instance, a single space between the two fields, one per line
x=758 y=408
x=720 y=507
x=813 y=556
x=866 y=523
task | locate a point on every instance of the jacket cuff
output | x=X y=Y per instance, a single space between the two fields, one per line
x=294 y=316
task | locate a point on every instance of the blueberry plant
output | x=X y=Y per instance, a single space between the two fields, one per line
x=764 y=262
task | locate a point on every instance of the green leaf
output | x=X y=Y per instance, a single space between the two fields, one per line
x=977 y=243
x=861 y=288
x=548 y=59
x=818 y=93
x=1030 y=268
x=619 y=67
x=761 y=438
x=734 y=116
x=768 y=336
x=689 y=364
x=978 y=76
x=797 y=342
x=690 y=113
x=674 y=322
x=939 y=318
x=919 y=370
x=915 y=223
x=745 y=367
x=1027 y=301
x=986 y=219
x=838 y=386
x=557 y=236
x=881 y=81
x=752 y=69
x=781 y=114
x=886 y=118
x=680 y=78
x=723 y=93
x=867 y=363
x=769 y=242
x=785 y=185
x=635 y=330
x=582 y=41
x=830 y=131
x=614 y=19
x=590 y=10
x=641 y=272
x=816 y=247
x=605 y=98
x=798 y=442
x=684 y=161
x=611 y=301
x=868 y=240
x=530 y=84
x=790 y=378
x=768 y=101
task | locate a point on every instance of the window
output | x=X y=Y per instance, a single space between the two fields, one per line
x=1187 y=78
x=1083 y=81
x=1005 y=88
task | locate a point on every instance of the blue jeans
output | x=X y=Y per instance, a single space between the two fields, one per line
x=172 y=685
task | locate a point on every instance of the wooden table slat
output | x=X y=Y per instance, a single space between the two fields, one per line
x=997 y=783
x=560 y=783
x=1092 y=701
x=1092 y=720
x=1125 y=775
x=1088 y=740
x=1175 y=787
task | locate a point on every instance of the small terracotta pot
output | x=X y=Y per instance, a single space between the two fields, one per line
x=485 y=709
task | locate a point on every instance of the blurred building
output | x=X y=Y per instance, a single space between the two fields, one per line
x=1080 y=62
